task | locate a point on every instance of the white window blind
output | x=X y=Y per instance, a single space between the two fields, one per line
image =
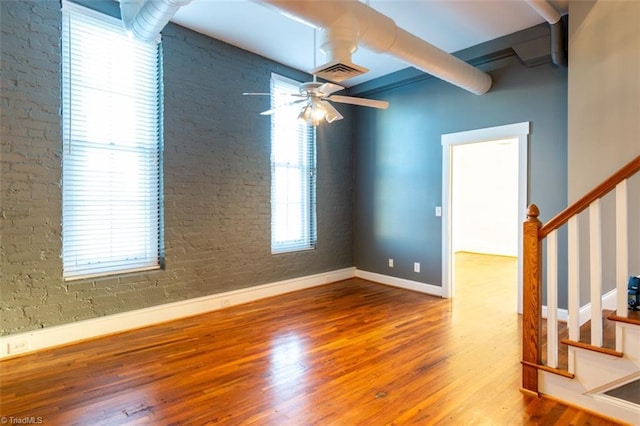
x=293 y=173
x=112 y=148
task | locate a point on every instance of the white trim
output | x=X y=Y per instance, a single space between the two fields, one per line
x=487 y=134
x=622 y=248
x=608 y=301
x=573 y=275
x=626 y=405
x=622 y=256
x=516 y=130
x=82 y=330
x=561 y=314
x=88 y=329
x=584 y=313
x=595 y=270
x=400 y=283
x=599 y=393
x=552 y=299
x=595 y=370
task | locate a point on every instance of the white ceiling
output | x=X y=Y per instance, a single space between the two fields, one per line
x=451 y=25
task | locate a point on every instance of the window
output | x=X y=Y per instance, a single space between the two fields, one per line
x=293 y=174
x=112 y=148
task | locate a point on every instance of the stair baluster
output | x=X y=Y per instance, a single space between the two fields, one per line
x=535 y=235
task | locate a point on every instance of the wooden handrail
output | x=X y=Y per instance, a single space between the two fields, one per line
x=599 y=191
x=533 y=234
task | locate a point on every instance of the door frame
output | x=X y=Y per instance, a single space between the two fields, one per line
x=519 y=131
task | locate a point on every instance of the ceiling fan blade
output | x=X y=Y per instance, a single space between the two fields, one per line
x=295 y=95
x=359 y=101
x=332 y=114
x=328 y=88
x=278 y=108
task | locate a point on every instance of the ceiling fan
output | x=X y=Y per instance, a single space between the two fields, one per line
x=316 y=101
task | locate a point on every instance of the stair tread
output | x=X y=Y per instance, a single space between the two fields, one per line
x=591 y=347
x=633 y=318
x=609 y=319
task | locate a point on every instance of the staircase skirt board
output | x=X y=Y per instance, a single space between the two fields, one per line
x=595 y=373
x=629 y=392
x=571 y=393
x=599 y=371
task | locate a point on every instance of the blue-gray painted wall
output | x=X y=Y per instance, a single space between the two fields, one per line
x=399 y=159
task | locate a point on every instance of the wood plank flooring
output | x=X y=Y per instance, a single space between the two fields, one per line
x=347 y=353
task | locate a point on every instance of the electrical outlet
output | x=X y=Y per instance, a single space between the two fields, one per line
x=390 y=263
x=17 y=346
x=416 y=267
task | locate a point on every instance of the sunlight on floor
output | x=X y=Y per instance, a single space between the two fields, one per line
x=487 y=280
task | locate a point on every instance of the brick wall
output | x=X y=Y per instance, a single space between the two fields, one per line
x=216 y=177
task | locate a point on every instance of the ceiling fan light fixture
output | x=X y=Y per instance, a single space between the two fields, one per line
x=318 y=112
x=331 y=117
x=305 y=114
x=332 y=114
x=313 y=113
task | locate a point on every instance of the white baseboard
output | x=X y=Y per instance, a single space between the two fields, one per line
x=608 y=302
x=18 y=344
x=400 y=282
x=562 y=314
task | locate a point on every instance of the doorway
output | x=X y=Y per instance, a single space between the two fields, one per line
x=479 y=141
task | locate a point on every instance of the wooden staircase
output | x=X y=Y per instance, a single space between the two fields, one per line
x=579 y=340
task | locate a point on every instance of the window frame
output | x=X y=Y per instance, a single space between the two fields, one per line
x=304 y=162
x=84 y=254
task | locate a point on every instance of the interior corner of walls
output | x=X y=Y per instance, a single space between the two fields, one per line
x=425 y=288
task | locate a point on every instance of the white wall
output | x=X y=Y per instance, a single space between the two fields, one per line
x=604 y=90
x=485 y=197
x=603 y=114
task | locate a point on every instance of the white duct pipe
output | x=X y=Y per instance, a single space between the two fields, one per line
x=380 y=33
x=544 y=9
x=553 y=17
x=340 y=40
x=145 y=19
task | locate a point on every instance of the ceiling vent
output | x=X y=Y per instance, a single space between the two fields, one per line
x=339 y=70
x=348 y=23
x=340 y=40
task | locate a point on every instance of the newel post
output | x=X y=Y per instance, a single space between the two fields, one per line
x=531 y=299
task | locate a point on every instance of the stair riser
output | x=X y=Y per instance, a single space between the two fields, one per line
x=630 y=334
x=593 y=369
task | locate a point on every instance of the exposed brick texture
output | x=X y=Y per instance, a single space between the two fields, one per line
x=216 y=177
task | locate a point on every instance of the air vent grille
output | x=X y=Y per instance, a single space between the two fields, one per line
x=339 y=71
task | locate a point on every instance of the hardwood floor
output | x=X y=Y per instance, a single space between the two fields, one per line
x=347 y=353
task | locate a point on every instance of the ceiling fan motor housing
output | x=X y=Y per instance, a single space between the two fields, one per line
x=311 y=89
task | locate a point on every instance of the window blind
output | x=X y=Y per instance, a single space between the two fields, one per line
x=112 y=148
x=293 y=173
